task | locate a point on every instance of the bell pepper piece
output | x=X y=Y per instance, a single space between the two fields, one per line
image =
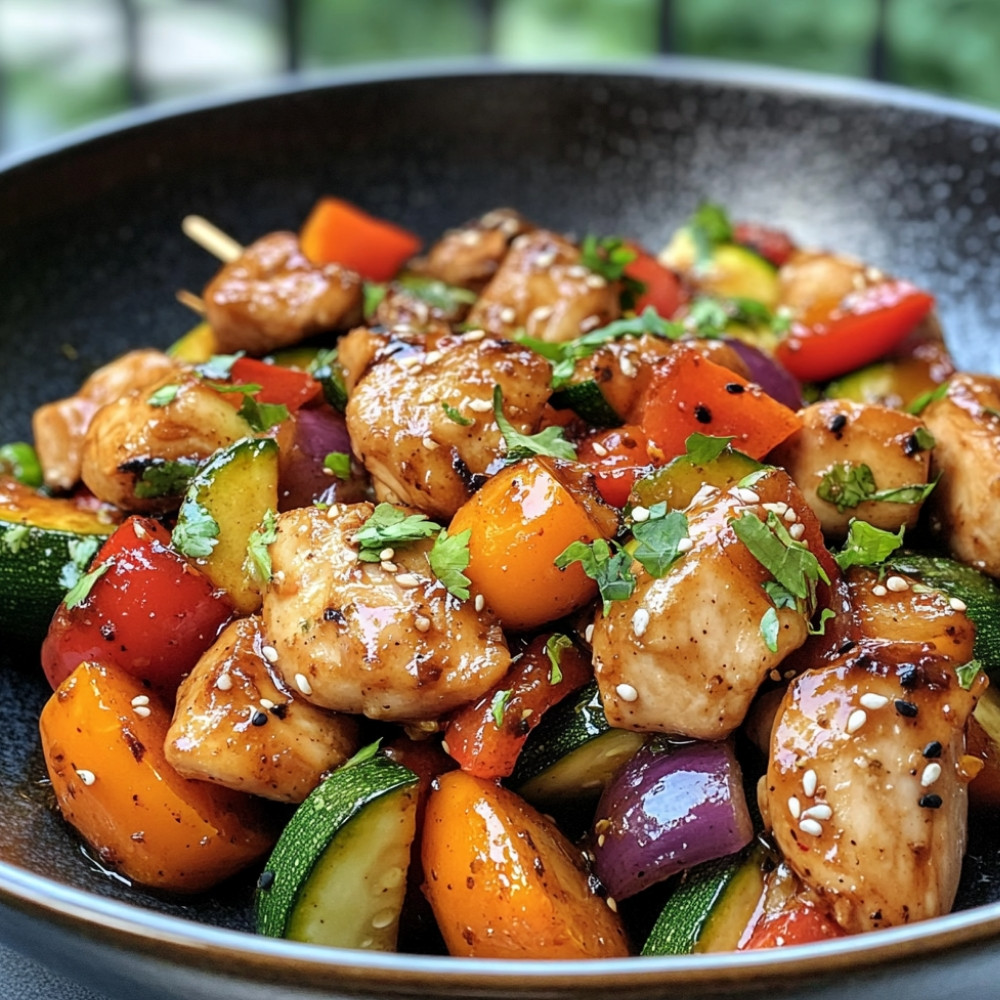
x=617 y=458
x=278 y=384
x=663 y=288
x=801 y=924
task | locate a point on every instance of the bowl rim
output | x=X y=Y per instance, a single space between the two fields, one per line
x=131 y=927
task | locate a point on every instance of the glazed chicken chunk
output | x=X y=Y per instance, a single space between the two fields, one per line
x=422 y=422
x=272 y=296
x=382 y=639
x=239 y=724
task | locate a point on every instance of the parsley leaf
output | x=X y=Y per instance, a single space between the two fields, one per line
x=339 y=463
x=262 y=416
x=389 y=527
x=258 y=558
x=325 y=368
x=452 y=414
x=80 y=551
x=847 y=485
x=609 y=256
x=704 y=448
x=437 y=294
x=660 y=539
x=448 y=557
x=553 y=647
x=15 y=537
x=967 y=673
x=918 y=405
x=710 y=227
x=549 y=441
x=161 y=478
x=365 y=753
x=163 y=396
x=769 y=627
x=867 y=545
x=924 y=439
x=612 y=570
x=219 y=367
x=499 y=705
x=80 y=591
x=196 y=532
x=374 y=294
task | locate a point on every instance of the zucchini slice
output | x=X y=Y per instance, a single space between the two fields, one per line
x=679 y=480
x=46 y=544
x=337 y=875
x=572 y=753
x=711 y=906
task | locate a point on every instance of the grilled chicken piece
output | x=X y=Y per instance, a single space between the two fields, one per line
x=866 y=788
x=59 y=428
x=417 y=453
x=384 y=640
x=829 y=455
x=469 y=256
x=544 y=289
x=963 y=507
x=272 y=296
x=237 y=723
x=686 y=652
x=187 y=422
x=814 y=282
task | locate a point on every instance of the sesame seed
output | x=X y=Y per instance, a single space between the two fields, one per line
x=627 y=366
x=838 y=422
x=429 y=443
x=872 y=700
x=544 y=260
x=507 y=315
x=702 y=414
x=931 y=774
x=879 y=591
x=599 y=449
x=432 y=357
x=600 y=840
x=905 y=708
x=930 y=801
x=640 y=514
x=933 y=749
x=790 y=516
x=809 y=782
x=383 y=918
x=595 y=281
x=480 y=405
x=258 y=719
x=143 y=711
x=640 y=622
x=224 y=682
x=957 y=604
x=819 y=811
x=472 y=336
x=588 y=632
x=389 y=567
x=896 y=584
x=87 y=777
x=627 y=693
x=685 y=544
x=797 y=530
x=386 y=554
x=266 y=704
x=139 y=530
x=612 y=905
x=302 y=683
x=748 y=496
x=480 y=602
x=410 y=361
x=540 y=314
x=778 y=508
x=856 y=720
x=470 y=237
x=576 y=271
x=811 y=826
x=269 y=653
x=408 y=579
x=140 y=699
x=794 y=806
x=422 y=624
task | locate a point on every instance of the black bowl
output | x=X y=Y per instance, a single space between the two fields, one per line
x=90 y=258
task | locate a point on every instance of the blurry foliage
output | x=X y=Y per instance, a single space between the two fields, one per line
x=62 y=61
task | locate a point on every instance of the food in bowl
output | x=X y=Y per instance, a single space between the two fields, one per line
x=509 y=600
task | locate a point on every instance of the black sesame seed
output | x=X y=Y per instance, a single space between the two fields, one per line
x=933 y=749
x=906 y=708
x=846 y=648
x=334 y=615
x=907 y=675
x=930 y=801
x=265 y=881
x=258 y=718
x=837 y=423
x=279 y=711
x=108 y=631
x=735 y=388
x=702 y=414
x=911 y=446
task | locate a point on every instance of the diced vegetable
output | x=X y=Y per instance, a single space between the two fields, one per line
x=766 y=372
x=645 y=821
x=196 y=347
x=505 y=883
x=802 y=923
x=773 y=245
x=102 y=734
x=663 y=288
x=278 y=384
x=617 y=458
x=19 y=460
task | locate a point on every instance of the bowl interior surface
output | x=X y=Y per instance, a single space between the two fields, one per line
x=91 y=256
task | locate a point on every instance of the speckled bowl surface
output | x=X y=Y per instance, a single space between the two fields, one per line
x=91 y=254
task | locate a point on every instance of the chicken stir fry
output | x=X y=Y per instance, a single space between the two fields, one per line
x=529 y=534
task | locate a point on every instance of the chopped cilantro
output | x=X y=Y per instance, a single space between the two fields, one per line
x=709 y=227
x=196 y=531
x=258 y=559
x=161 y=478
x=925 y=399
x=448 y=558
x=867 y=545
x=549 y=441
x=365 y=753
x=81 y=551
x=325 y=368
x=611 y=569
x=607 y=256
x=164 y=395
x=262 y=416
x=924 y=439
x=499 y=705
x=847 y=484
x=660 y=539
x=453 y=414
x=436 y=293
x=553 y=648
x=374 y=294
x=80 y=591
x=218 y=367
x=967 y=673
x=701 y=449
x=15 y=537
x=389 y=527
x=824 y=616
x=246 y=387
x=769 y=627
x=339 y=463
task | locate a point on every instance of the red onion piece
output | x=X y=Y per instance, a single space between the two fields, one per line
x=673 y=805
x=775 y=380
x=302 y=478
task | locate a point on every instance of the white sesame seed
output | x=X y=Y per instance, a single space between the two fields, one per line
x=685 y=544
x=429 y=443
x=389 y=567
x=704 y=492
x=507 y=315
x=269 y=653
x=627 y=693
x=612 y=905
x=408 y=579
x=748 y=496
x=386 y=554
x=879 y=591
x=778 y=508
x=480 y=602
x=383 y=918
x=809 y=781
x=856 y=720
x=640 y=514
x=600 y=840
x=422 y=624
x=797 y=530
x=224 y=682
x=266 y=704
x=410 y=361
x=599 y=449
x=471 y=336
x=931 y=774
x=140 y=531
x=811 y=826
x=790 y=516
x=595 y=281
x=640 y=621
x=627 y=366
x=143 y=711
x=432 y=357
x=140 y=699
x=819 y=811
x=872 y=700
x=87 y=777
x=540 y=314
x=794 y=806
x=302 y=683
x=774 y=674
x=470 y=237
x=544 y=260
x=957 y=604
x=588 y=633
x=897 y=584
x=480 y=405
x=577 y=271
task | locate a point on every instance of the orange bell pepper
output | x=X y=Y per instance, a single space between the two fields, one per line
x=504 y=882
x=800 y=924
x=337 y=232
x=617 y=458
x=519 y=521
x=103 y=735
x=687 y=393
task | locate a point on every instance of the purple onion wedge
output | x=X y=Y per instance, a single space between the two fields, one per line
x=673 y=805
x=778 y=383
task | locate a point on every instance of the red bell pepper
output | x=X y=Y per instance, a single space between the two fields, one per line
x=337 y=232
x=616 y=458
x=687 y=393
x=866 y=325
x=799 y=925
x=486 y=736
x=279 y=385
x=150 y=611
x=664 y=291
x=771 y=244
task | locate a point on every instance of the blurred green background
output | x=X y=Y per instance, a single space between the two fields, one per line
x=67 y=62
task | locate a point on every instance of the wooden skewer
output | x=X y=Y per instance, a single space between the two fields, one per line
x=194 y=302
x=211 y=238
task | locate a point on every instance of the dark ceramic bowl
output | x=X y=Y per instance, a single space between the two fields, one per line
x=91 y=255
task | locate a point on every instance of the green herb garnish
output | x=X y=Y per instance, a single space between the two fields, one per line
x=452 y=414
x=80 y=591
x=611 y=568
x=163 y=396
x=448 y=558
x=262 y=416
x=165 y=479
x=660 y=538
x=549 y=441
x=389 y=527
x=499 y=705
x=258 y=559
x=339 y=463
x=196 y=532
x=867 y=545
x=846 y=484
x=553 y=648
